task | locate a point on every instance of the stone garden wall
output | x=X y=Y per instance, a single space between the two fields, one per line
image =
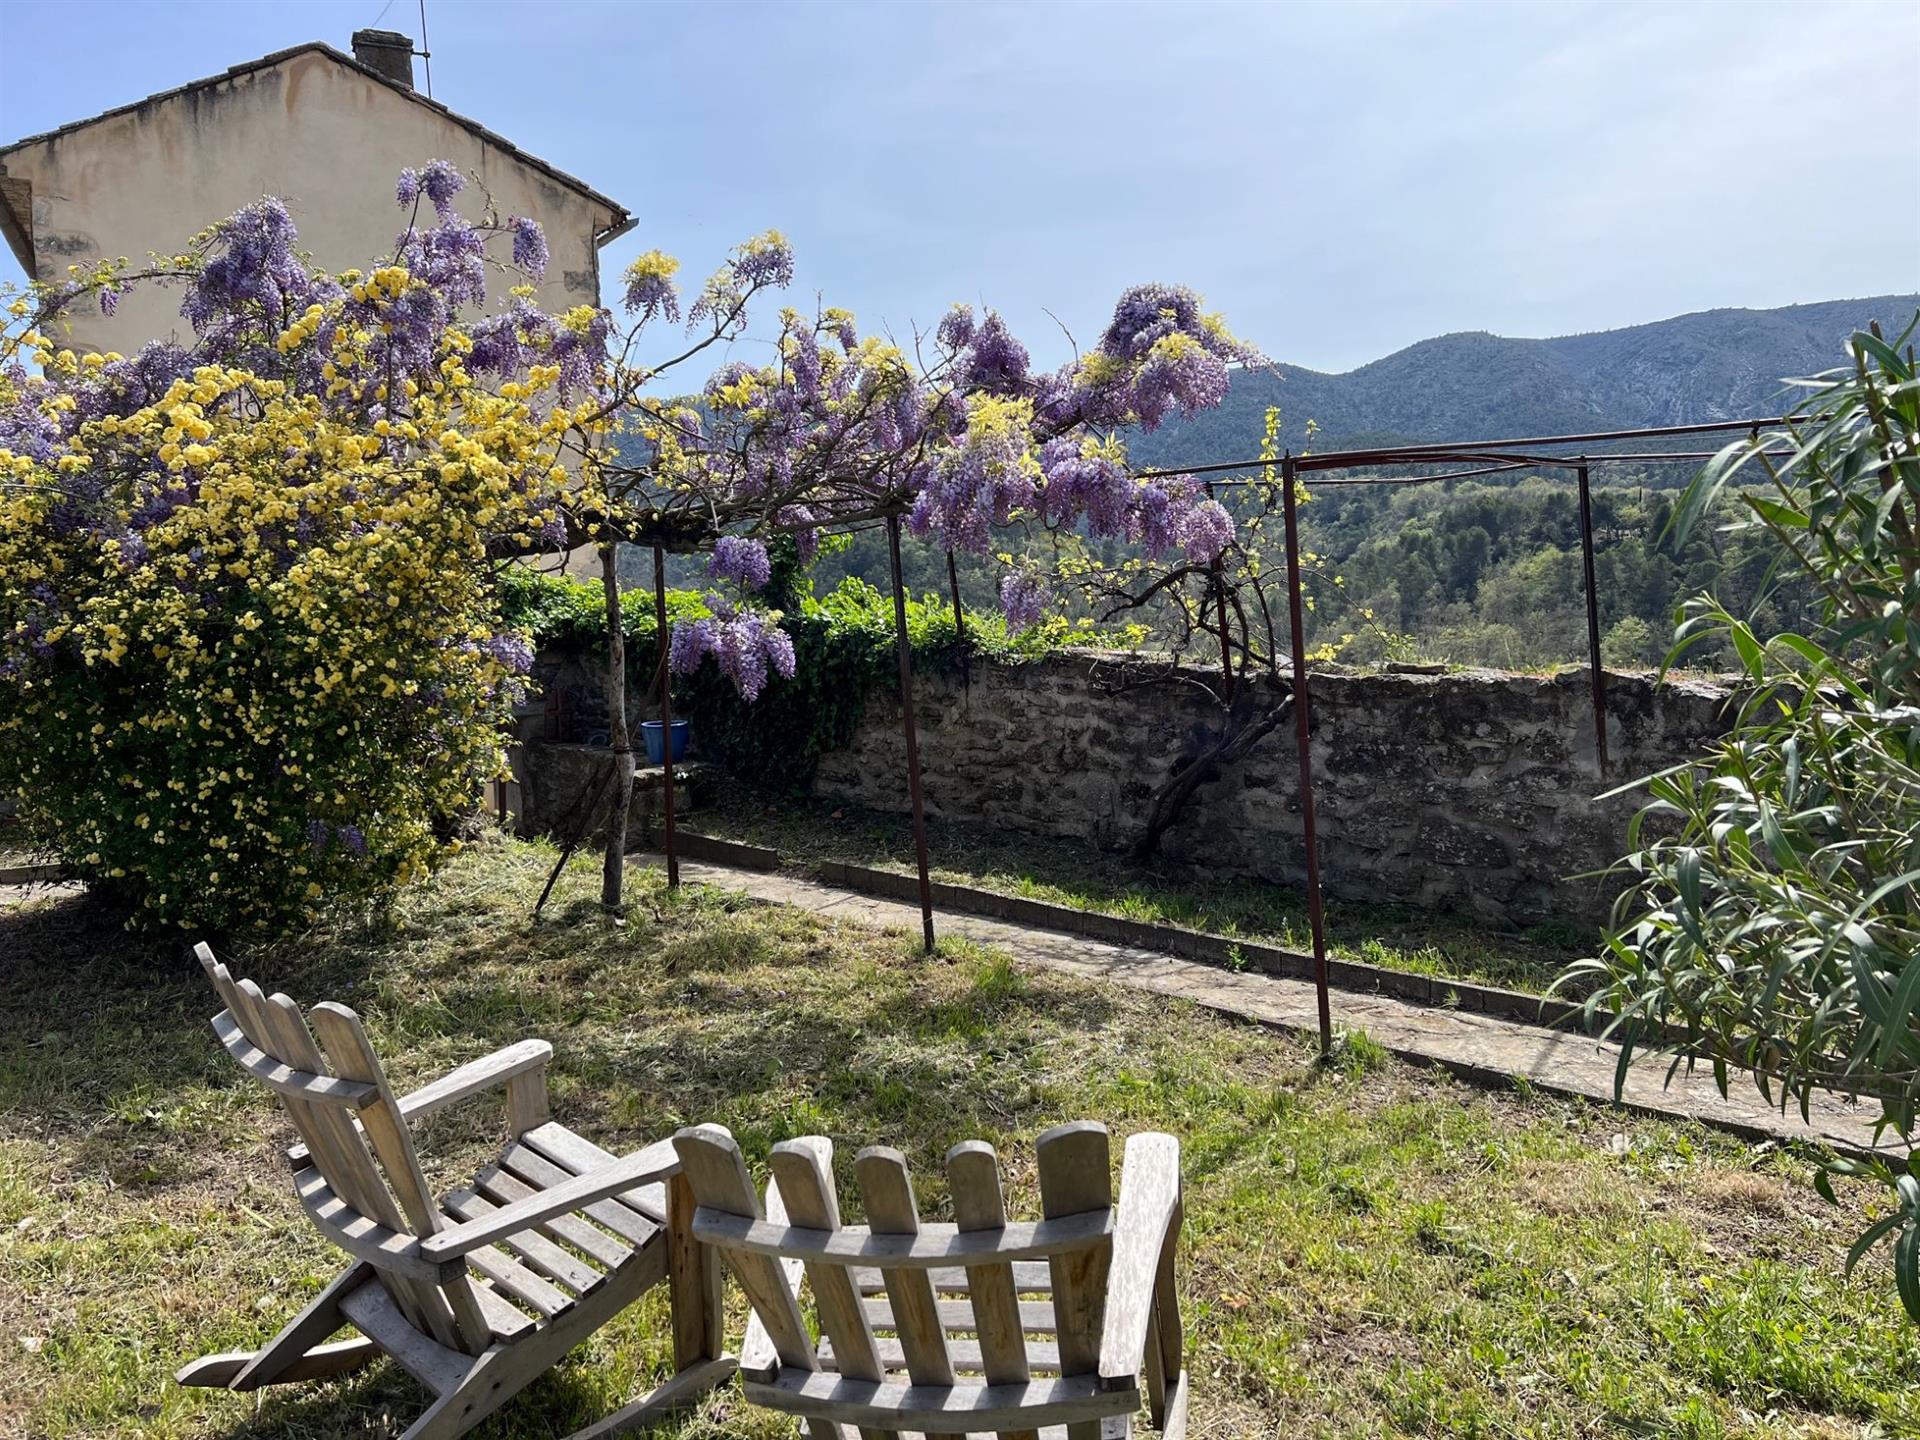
x=1475 y=791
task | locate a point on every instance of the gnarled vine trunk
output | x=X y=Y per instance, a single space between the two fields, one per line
x=1249 y=720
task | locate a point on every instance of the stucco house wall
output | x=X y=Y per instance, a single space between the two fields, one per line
x=324 y=133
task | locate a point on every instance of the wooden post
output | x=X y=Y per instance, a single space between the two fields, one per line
x=693 y=1273
x=959 y=615
x=666 y=714
x=907 y=726
x=614 y=872
x=959 y=622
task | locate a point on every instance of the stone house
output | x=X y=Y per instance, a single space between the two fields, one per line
x=326 y=132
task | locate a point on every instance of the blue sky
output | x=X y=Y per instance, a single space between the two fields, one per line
x=1341 y=180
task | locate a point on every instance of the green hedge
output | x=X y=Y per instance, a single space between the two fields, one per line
x=843 y=648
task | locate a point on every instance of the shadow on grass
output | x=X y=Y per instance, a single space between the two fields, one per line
x=699 y=1008
x=1304 y=1185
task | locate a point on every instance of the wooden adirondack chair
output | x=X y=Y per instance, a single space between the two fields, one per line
x=897 y=1359
x=482 y=1291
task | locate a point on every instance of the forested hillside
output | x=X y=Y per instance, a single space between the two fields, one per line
x=1713 y=365
x=1471 y=573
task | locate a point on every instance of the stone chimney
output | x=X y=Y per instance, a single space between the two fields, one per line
x=386 y=52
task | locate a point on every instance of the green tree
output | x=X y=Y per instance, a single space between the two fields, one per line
x=1629 y=642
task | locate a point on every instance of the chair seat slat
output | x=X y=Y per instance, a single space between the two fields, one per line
x=933 y=1246
x=1036 y=1316
x=942 y=1409
x=516 y=1280
x=570 y=1152
x=542 y=1174
x=535 y=1250
x=509 y=1322
x=1030 y=1277
x=1113 y=1427
x=593 y=1242
x=966 y=1354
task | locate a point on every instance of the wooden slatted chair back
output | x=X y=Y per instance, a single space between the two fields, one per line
x=878 y=1288
x=332 y=1086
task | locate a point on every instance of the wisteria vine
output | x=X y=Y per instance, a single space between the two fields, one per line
x=956 y=433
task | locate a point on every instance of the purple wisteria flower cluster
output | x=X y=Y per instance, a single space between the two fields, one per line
x=994 y=360
x=252 y=280
x=741 y=560
x=1025 y=598
x=744 y=644
x=834 y=431
x=1160 y=355
x=504 y=345
x=438 y=180
x=529 y=246
x=349 y=837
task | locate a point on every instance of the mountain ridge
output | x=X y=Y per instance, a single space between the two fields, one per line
x=1721 y=364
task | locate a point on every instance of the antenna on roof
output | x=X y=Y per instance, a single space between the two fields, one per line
x=425 y=53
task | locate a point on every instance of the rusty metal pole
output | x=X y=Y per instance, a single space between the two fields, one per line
x=907 y=728
x=666 y=714
x=1599 y=676
x=1218 y=573
x=1303 y=744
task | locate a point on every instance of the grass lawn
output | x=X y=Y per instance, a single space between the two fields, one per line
x=1066 y=872
x=1377 y=1251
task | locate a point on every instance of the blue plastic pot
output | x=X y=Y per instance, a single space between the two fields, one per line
x=655 y=745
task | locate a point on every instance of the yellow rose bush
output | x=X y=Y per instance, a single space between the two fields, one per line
x=250 y=654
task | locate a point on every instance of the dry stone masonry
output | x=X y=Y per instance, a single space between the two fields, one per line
x=1476 y=791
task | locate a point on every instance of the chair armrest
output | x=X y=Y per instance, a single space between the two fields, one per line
x=1148 y=1221
x=472 y=1078
x=657 y=1162
x=475 y=1077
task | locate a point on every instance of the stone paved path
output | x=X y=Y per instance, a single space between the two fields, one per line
x=12 y=895
x=1476 y=1046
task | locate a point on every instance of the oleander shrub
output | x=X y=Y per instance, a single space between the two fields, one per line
x=1772 y=919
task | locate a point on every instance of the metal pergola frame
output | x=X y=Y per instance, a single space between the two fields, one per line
x=1482 y=457
x=1478 y=457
